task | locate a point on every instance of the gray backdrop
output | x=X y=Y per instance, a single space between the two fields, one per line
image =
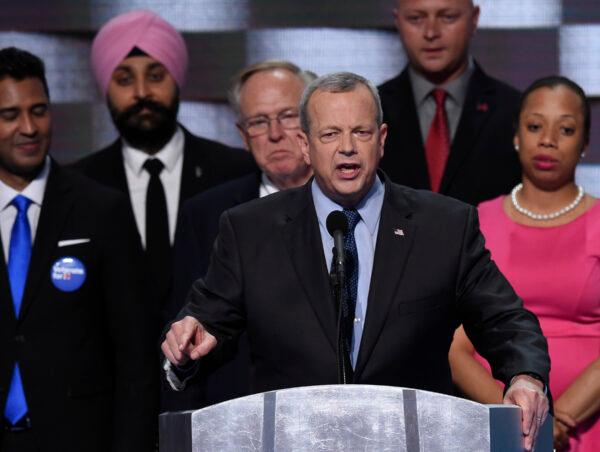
x=518 y=41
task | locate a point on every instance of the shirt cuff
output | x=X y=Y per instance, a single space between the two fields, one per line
x=176 y=376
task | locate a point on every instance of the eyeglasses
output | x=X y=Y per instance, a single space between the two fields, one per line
x=259 y=125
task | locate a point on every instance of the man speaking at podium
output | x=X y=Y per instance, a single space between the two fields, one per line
x=415 y=268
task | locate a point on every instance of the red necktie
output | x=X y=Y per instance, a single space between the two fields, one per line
x=437 y=147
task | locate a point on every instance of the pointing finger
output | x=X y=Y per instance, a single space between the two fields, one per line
x=167 y=352
x=189 y=327
x=173 y=346
x=206 y=344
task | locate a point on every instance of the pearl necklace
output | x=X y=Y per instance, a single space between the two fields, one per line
x=544 y=216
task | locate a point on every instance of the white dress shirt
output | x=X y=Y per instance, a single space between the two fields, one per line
x=365 y=236
x=8 y=213
x=171 y=155
x=266 y=186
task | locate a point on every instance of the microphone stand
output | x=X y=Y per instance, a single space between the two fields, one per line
x=337 y=279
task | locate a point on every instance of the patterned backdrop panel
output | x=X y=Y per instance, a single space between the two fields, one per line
x=378 y=54
x=579 y=47
x=517 y=41
x=520 y=13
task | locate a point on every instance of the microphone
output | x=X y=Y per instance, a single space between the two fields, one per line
x=337 y=226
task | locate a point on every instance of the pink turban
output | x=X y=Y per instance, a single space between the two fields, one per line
x=144 y=30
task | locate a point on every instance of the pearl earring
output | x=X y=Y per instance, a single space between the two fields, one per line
x=517 y=147
x=582 y=156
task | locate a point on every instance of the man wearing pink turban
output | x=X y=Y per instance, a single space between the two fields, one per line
x=140 y=61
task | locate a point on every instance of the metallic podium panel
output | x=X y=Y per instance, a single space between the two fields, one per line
x=352 y=417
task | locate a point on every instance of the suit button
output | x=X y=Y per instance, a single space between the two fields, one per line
x=19 y=338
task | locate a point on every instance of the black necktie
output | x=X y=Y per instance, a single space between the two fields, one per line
x=158 y=244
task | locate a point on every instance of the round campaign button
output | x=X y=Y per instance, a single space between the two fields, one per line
x=68 y=274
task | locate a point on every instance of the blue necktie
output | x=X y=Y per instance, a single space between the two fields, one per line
x=19 y=255
x=351 y=253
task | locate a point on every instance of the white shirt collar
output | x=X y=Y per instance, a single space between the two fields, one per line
x=34 y=190
x=169 y=155
x=456 y=89
x=369 y=207
x=266 y=186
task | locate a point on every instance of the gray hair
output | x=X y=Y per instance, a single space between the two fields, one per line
x=242 y=77
x=338 y=82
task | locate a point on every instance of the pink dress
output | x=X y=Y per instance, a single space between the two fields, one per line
x=556 y=271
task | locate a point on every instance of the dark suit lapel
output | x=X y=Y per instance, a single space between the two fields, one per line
x=192 y=172
x=410 y=132
x=115 y=172
x=303 y=242
x=478 y=108
x=55 y=209
x=405 y=149
x=250 y=190
x=394 y=241
x=7 y=310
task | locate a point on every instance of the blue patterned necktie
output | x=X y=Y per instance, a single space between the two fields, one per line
x=351 y=275
x=19 y=255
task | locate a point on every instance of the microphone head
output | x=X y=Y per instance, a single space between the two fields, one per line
x=337 y=221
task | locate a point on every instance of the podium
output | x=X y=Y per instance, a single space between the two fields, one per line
x=348 y=418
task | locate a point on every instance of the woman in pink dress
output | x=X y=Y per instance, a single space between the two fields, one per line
x=545 y=238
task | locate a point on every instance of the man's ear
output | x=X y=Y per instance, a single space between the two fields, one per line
x=383 y=130
x=244 y=136
x=474 y=19
x=304 y=147
x=396 y=15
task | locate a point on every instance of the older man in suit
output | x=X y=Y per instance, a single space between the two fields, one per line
x=450 y=125
x=140 y=64
x=265 y=97
x=416 y=268
x=76 y=349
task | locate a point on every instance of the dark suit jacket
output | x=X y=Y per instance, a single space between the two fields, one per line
x=197 y=230
x=86 y=357
x=268 y=276
x=206 y=164
x=196 y=233
x=482 y=163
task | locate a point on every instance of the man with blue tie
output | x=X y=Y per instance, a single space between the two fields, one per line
x=73 y=375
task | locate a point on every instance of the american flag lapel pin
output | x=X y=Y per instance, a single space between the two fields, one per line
x=399 y=232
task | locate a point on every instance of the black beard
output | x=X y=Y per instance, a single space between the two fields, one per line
x=151 y=131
